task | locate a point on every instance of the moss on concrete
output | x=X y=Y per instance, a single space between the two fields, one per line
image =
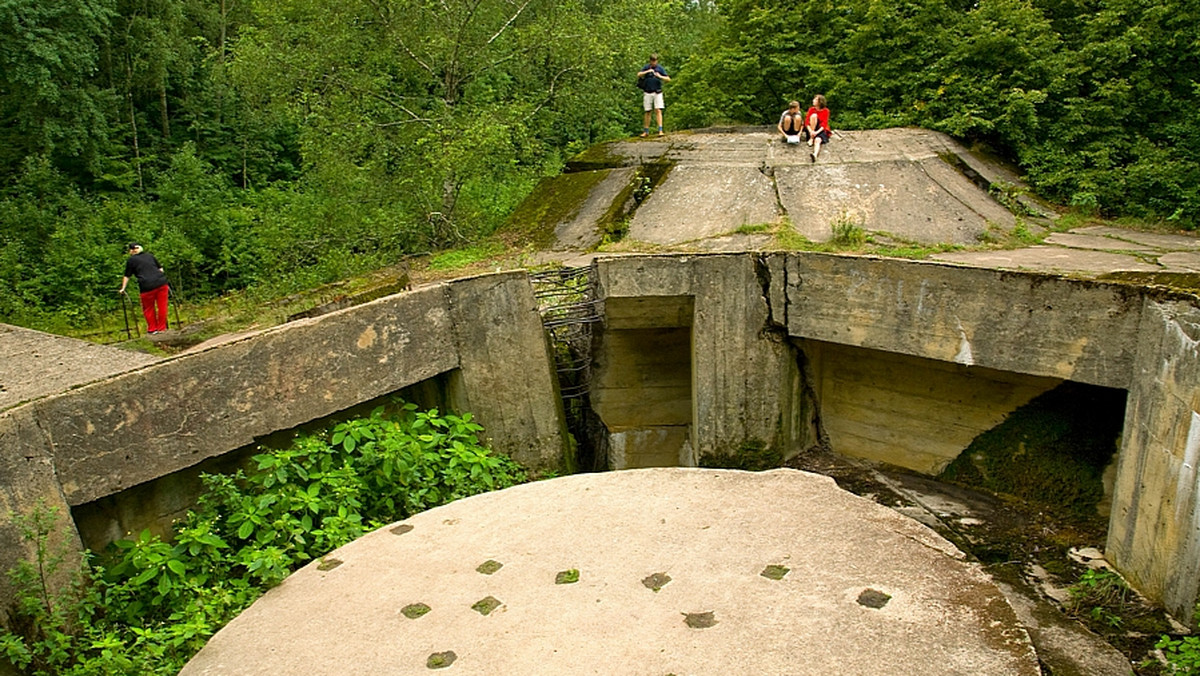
x=414 y=610
x=599 y=156
x=1050 y=452
x=775 y=572
x=1187 y=282
x=753 y=455
x=555 y=200
x=567 y=576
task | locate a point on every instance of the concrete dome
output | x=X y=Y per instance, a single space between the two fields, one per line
x=677 y=571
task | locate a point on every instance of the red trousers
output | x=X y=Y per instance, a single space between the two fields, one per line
x=154 y=307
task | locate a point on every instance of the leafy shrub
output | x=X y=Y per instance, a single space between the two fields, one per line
x=147 y=605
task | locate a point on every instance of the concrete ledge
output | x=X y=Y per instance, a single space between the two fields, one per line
x=710 y=537
x=1036 y=324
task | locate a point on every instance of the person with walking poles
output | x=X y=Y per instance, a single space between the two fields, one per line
x=650 y=79
x=816 y=122
x=791 y=123
x=152 y=282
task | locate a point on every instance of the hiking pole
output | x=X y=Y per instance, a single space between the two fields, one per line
x=174 y=306
x=125 y=314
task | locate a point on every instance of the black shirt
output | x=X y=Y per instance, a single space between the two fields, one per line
x=147 y=270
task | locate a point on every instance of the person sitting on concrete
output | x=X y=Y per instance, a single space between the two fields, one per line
x=152 y=282
x=791 y=123
x=817 y=126
x=650 y=79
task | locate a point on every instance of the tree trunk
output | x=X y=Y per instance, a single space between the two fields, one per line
x=162 y=99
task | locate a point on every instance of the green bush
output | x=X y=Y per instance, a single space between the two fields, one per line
x=147 y=605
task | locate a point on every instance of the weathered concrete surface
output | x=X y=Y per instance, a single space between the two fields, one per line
x=1024 y=323
x=508 y=377
x=1157 y=240
x=1154 y=530
x=28 y=484
x=1049 y=259
x=1187 y=261
x=1094 y=250
x=697 y=202
x=111 y=435
x=745 y=382
x=907 y=411
x=712 y=532
x=34 y=364
x=924 y=200
x=1065 y=646
x=642 y=381
x=909 y=183
x=1075 y=240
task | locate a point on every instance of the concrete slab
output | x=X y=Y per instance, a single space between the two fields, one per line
x=679 y=571
x=925 y=201
x=695 y=202
x=1095 y=242
x=580 y=231
x=34 y=364
x=1181 y=261
x=1049 y=258
x=1158 y=240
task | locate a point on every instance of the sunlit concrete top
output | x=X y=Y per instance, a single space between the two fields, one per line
x=861 y=589
x=34 y=364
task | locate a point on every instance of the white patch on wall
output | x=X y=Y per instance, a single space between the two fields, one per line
x=964 y=356
x=1187 y=473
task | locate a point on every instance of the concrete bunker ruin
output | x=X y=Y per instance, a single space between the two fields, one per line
x=698 y=356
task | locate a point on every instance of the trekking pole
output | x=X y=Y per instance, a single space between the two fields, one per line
x=175 y=305
x=125 y=313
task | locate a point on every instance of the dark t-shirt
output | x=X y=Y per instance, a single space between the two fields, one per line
x=146 y=268
x=650 y=81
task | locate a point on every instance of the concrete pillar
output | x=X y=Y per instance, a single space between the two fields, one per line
x=1154 y=530
x=507 y=371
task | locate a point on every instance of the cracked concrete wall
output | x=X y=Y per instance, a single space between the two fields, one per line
x=746 y=384
x=1154 y=529
x=100 y=439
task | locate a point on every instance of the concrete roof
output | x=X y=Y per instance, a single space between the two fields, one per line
x=34 y=364
x=861 y=589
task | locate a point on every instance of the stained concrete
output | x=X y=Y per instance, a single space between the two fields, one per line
x=924 y=200
x=911 y=184
x=482 y=334
x=1075 y=240
x=1038 y=325
x=1154 y=529
x=697 y=202
x=910 y=412
x=1157 y=240
x=1050 y=259
x=34 y=364
x=709 y=531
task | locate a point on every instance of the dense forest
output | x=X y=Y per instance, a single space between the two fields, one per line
x=276 y=144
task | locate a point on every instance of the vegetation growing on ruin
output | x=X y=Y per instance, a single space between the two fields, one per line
x=147 y=605
x=1050 y=452
x=753 y=455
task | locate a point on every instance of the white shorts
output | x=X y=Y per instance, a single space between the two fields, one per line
x=651 y=101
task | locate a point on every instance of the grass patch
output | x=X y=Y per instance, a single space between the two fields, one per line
x=461 y=258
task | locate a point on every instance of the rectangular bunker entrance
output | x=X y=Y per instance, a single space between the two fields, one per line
x=642 y=381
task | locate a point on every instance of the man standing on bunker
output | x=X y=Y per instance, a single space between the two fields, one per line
x=650 y=79
x=152 y=282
